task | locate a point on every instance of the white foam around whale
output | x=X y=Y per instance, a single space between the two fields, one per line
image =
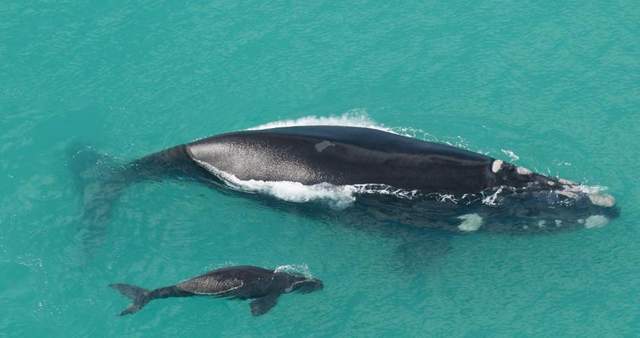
x=302 y=269
x=338 y=197
x=352 y=118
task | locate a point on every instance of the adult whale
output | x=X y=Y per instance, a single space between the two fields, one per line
x=448 y=187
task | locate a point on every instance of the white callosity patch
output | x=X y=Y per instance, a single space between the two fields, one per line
x=470 y=222
x=496 y=166
x=595 y=193
x=523 y=171
x=567 y=182
x=603 y=200
x=595 y=221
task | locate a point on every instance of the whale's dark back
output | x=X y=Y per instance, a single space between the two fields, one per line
x=377 y=140
x=344 y=155
x=229 y=281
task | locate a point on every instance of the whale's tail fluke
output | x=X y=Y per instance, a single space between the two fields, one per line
x=139 y=296
x=100 y=181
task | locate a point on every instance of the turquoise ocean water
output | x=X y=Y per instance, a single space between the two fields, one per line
x=554 y=86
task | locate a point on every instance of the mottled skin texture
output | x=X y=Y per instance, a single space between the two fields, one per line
x=241 y=282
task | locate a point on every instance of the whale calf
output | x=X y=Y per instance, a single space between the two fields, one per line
x=264 y=286
x=425 y=183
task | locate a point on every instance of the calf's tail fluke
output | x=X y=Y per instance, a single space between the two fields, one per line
x=139 y=296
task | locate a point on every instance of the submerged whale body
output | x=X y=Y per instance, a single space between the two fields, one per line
x=412 y=181
x=264 y=286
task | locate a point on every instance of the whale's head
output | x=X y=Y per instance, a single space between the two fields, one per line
x=533 y=202
x=296 y=282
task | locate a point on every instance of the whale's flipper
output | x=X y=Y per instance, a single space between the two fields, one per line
x=262 y=305
x=139 y=296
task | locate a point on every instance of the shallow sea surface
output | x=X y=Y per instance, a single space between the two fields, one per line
x=553 y=86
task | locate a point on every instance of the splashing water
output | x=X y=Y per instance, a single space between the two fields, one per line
x=352 y=118
x=302 y=269
x=512 y=155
